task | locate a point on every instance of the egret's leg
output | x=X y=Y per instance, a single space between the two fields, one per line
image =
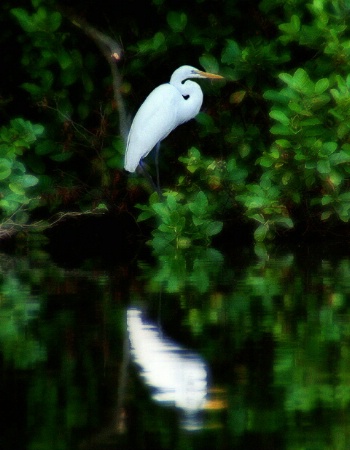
x=157 y=165
x=150 y=180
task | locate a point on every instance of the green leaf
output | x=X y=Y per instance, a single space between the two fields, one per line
x=177 y=21
x=17 y=188
x=64 y=59
x=310 y=165
x=266 y=161
x=38 y=129
x=162 y=210
x=4 y=173
x=87 y=82
x=24 y=19
x=199 y=206
x=281 y=129
x=279 y=116
x=328 y=148
x=194 y=153
x=286 y=78
x=258 y=217
x=321 y=86
x=261 y=232
x=231 y=52
x=47 y=78
x=300 y=81
x=213 y=228
x=335 y=178
x=5 y=168
x=159 y=41
x=60 y=157
x=41 y=14
x=165 y=228
x=198 y=221
x=295 y=22
x=171 y=202
x=287 y=177
x=285 y=222
x=323 y=166
x=345 y=197
x=310 y=121
x=33 y=89
x=296 y=107
x=69 y=75
x=161 y=240
x=284 y=143
x=116 y=162
x=4 y=204
x=55 y=21
x=326 y=215
x=28 y=180
x=5 y=164
x=261 y=251
x=292 y=27
x=83 y=110
x=145 y=215
x=209 y=63
x=340 y=157
x=207 y=122
x=276 y=97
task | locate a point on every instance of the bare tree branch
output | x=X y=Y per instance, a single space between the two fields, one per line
x=112 y=51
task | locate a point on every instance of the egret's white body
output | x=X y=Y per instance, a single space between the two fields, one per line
x=175 y=375
x=166 y=107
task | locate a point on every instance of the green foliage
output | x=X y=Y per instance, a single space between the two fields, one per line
x=273 y=139
x=311 y=150
x=263 y=205
x=177 y=269
x=181 y=222
x=19 y=306
x=60 y=81
x=28 y=344
x=16 y=198
x=300 y=162
x=282 y=323
x=284 y=332
x=177 y=21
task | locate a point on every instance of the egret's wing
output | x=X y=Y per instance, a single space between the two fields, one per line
x=155 y=119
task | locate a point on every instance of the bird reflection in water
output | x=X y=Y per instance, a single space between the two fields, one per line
x=176 y=376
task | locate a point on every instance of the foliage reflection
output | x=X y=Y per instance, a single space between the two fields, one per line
x=274 y=335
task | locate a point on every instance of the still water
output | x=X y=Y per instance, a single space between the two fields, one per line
x=188 y=350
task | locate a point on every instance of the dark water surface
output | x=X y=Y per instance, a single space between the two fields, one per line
x=189 y=350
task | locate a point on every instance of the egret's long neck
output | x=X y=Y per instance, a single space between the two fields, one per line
x=193 y=99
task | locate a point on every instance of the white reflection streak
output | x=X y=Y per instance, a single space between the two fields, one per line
x=175 y=375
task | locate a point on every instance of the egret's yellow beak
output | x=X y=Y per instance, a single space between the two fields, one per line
x=209 y=75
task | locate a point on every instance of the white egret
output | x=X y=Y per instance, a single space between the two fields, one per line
x=166 y=107
x=175 y=375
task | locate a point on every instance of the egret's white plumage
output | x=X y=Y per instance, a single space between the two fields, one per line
x=166 y=107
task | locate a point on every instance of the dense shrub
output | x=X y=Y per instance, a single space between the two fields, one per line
x=271 y=145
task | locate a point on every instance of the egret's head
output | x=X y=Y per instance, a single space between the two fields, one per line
x=184 y=72
x=200 y=74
